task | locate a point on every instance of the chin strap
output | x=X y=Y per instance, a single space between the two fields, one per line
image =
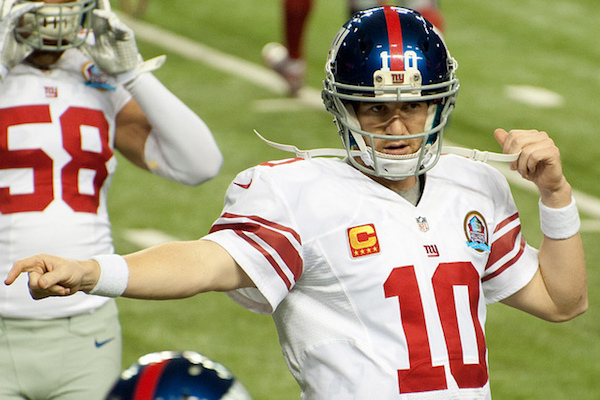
x=473 y=154
x=307 y=154
x=478 y=155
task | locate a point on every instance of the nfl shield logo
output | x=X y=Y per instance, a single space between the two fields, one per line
x=423 y=225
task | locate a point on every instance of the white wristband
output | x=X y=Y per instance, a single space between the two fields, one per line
x=114 y=276
x=559 y=223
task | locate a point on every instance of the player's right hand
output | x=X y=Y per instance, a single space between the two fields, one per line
x=12 y=52
x=55 y=276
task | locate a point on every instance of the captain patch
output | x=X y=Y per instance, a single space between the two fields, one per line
x=363 y=240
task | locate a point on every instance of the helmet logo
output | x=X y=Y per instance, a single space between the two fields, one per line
x=410 y=77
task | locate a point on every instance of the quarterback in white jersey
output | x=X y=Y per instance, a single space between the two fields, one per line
x=374 y=297
x=63 y=113
x=377 y=268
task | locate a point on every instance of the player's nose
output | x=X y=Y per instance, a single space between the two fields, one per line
x=396 y=126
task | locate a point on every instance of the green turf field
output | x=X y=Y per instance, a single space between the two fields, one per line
x=549 y=44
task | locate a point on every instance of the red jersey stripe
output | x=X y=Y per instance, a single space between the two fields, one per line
x=269 y=258
x=395 y=40
x=506 y=222
x=265 y=222
x=276 y=163
x=508 y=264
x=503 y=245
x=279 y=242
x=148 y=381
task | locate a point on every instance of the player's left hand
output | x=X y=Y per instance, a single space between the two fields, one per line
x=114 y=49
x=539 y=162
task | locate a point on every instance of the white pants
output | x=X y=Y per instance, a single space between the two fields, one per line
x=75 y=358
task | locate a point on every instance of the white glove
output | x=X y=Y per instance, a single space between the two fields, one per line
x=114 y=49
x=12 y=52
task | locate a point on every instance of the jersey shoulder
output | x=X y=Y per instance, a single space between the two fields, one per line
x=295 y=181
x=464 y=172
x=297 y=171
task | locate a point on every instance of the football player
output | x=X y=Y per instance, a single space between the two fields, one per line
x=288 y=59
x=377 y=268
x=68 y=99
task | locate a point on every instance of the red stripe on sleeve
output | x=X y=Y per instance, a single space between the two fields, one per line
x=395 y=39
x=269 y=258
x=279 y=242
x=265 y=222
x=506 y=222
x=503 y=245
x=148 y=381
x=508 y=264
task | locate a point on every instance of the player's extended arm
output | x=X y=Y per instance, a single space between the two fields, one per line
x=168 y=271
x=558 y=291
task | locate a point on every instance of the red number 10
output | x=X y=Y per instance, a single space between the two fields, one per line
x=41 y=164
x=422 y=376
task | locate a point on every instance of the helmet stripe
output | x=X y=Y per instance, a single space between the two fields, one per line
x=394 y=30
x=148 y=381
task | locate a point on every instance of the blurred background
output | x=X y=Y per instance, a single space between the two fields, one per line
x=529 y=64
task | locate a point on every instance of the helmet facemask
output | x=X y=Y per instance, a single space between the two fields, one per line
x=56 y=26
x=380 y=80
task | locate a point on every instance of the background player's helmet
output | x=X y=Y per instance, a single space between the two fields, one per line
x=390 y=54
x=55 y=26
x=172 y=375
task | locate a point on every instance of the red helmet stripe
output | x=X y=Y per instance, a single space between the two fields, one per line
x=148 y=381
x=394 y=29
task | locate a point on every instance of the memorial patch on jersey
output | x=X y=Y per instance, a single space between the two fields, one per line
x=95 y=78
x=476 y=231
x=363 y=240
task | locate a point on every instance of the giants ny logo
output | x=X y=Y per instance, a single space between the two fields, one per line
x=51 y=91
x=431 y=250
x=363 y=240
x=397 y=78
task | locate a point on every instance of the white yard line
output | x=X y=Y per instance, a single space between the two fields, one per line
x=146 y=237
x=309 y=97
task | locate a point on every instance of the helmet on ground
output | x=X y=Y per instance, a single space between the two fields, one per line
x=173 y=375
x=390 y=54
x=55 y=26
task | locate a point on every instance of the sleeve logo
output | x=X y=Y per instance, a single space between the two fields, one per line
x=363 y=240
x=477 y=232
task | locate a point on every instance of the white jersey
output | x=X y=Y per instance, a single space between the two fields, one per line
x=56 y=143
x=375 y=298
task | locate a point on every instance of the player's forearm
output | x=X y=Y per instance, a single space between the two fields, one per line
x=181 y=269
x=563 y=268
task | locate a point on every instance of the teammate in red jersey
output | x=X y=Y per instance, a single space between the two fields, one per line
x=377 y=268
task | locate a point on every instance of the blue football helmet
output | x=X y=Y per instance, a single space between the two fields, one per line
x=172 y=375
x=55 y=26
x=390 y=54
